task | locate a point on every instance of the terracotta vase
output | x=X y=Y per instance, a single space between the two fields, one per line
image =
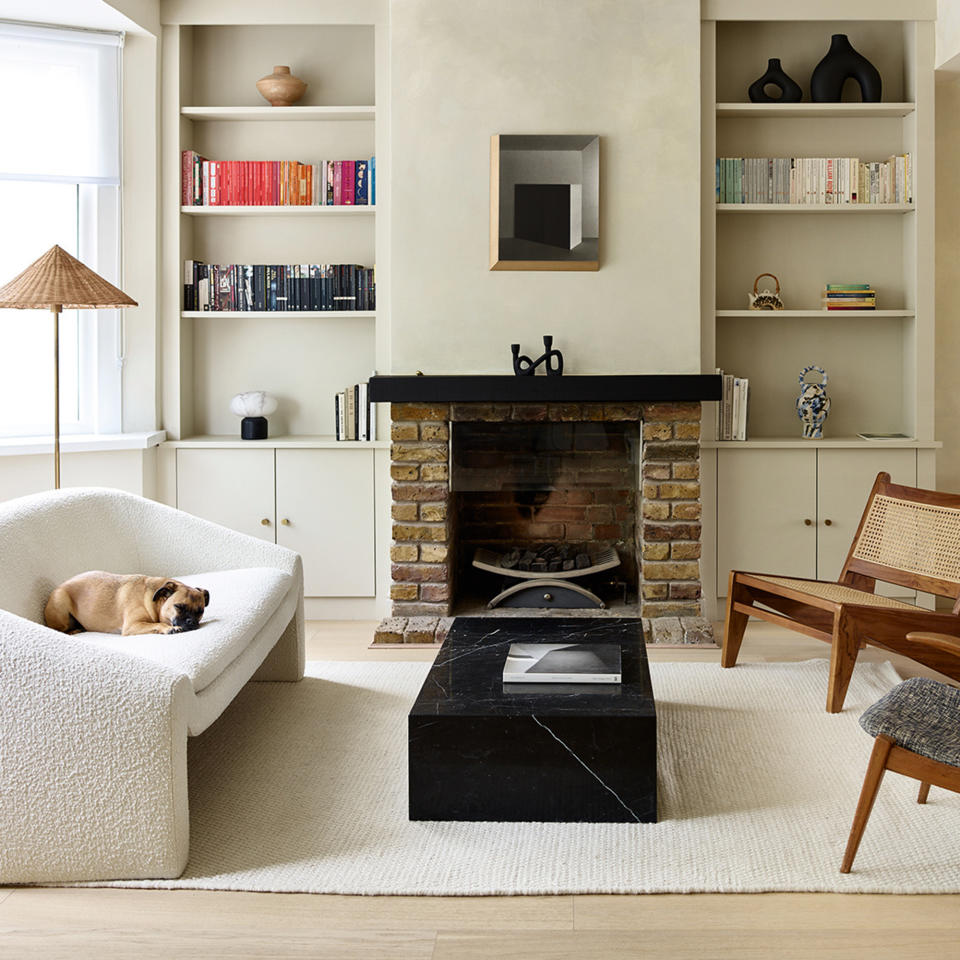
x=281 y=88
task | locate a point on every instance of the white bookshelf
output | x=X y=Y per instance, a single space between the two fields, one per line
x=838 y=209
x=726 y=111
x=299 y=114
x=879 y=362
x=284 y=210
x=272 y=314
x=304 y=358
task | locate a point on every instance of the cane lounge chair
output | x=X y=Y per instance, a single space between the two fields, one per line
x=908 y=537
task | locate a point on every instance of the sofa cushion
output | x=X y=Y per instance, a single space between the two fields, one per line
x=241 y=602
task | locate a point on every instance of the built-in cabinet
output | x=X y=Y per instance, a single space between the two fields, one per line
x=776 y=503
x=795 y=511
x=307 y=500
x=300 y=488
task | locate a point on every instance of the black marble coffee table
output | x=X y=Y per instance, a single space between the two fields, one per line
x=480 y=749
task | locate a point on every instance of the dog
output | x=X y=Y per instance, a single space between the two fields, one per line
x=113 y=603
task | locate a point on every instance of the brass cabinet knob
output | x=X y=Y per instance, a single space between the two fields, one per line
x=285 y=522
x=548 y=597
x=808 y=522
x=828 y=523
x=264 y=522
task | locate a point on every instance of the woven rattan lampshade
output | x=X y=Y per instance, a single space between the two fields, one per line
x=59 y=280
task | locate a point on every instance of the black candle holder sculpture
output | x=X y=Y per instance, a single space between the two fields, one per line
x=525 y=367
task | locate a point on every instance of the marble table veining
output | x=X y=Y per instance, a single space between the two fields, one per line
x=483 y=750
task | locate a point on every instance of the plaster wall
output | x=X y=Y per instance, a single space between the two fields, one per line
x=627 y=70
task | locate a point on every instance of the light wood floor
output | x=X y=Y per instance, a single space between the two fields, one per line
x=79 y=923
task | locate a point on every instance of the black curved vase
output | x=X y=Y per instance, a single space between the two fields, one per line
x=790 y=91
x=841 y=63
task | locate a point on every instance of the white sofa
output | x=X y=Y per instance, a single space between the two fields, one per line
x=94 y=727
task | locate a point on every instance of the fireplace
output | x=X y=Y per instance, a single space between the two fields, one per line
x=544 y=515
x=592 y=474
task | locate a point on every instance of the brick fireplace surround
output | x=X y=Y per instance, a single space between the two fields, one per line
x=668 y=511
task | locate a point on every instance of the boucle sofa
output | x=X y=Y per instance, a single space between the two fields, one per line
x=94 y=727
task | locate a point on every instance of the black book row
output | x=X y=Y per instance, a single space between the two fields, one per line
x=278 y=287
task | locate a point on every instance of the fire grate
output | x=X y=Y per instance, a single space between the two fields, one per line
x=547 y=581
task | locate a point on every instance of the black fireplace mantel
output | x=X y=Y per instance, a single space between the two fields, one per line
x=614 y=388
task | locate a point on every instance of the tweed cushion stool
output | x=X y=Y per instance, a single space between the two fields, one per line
x=916 y=730
x=921 y=715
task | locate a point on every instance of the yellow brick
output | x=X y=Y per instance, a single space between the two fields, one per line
x=655 y=591
x=686 y=511
x=680 y=490
x=433 y=472
x=657 y=431
x=404 y=511
x=685 y=551
x=403 y=431
x=656 y=510
x=403 y=552
x=403 y=591
x=656 y=551
x=671 y=571
x=686 y=471
x=433 y=511
x=433 y=553
x=686 y=431
x=434 y=431
x=651 y=490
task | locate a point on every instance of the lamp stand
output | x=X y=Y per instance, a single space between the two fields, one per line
x=56 y=396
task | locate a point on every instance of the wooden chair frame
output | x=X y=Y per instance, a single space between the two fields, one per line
x=887 y=755
x=849 y=626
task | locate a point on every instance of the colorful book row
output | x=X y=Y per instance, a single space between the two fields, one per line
x=355 y=416
x=278 y=287
x=276 y=183
x=849 y=296
x=814 y=180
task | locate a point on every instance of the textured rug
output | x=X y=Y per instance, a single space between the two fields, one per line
x=302 y=787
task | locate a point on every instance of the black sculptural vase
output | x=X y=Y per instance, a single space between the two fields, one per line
x=843 y=63
x=790 y=91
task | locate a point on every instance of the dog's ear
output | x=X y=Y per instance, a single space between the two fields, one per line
x=206 y=598
x=167 y=590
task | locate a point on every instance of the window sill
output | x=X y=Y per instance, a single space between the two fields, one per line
x=81 y=443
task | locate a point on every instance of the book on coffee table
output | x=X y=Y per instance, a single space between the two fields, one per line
x=562 y=663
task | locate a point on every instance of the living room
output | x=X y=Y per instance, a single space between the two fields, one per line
x=602 y=323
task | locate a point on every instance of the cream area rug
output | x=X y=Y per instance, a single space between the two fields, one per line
x=302 y=787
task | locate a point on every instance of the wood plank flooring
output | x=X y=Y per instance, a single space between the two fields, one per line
x=55 y=923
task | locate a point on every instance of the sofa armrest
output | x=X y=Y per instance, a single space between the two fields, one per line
x=93 y=778
x=171 y=540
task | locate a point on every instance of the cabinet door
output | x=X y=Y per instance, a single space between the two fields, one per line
x=230 y=487
x=766 y=513
x=325 y=512
x=844 y=479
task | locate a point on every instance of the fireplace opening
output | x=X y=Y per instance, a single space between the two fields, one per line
x=545 y=516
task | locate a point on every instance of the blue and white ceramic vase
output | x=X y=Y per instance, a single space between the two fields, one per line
x=813 y=404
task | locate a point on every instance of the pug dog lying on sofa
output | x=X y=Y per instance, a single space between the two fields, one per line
x=127 y=604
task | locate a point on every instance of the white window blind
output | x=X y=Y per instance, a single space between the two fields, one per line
x=60 y=183
x=65 y=126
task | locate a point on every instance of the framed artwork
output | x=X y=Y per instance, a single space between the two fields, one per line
x=544 y=202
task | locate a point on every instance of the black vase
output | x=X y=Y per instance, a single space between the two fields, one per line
x=841 y=63
x=790 y=91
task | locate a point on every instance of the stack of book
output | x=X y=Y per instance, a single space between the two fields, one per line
x=354 y=415
x=258 y=183
x=814 y=180
x=279 y=287
x=732 y=409
x=849 y=296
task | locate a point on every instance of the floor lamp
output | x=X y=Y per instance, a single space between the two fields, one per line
x=58 y=282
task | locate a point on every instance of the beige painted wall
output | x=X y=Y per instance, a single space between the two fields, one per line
x=625 y=69
x=947 y=402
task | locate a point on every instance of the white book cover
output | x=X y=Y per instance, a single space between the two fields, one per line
x=562 y=663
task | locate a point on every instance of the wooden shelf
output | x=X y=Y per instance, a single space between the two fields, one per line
x=820 y=110
x=837 y=208
x=833 y=314
x=271 y=314
x=364 y=210
x=279 y=113
x=285 y=442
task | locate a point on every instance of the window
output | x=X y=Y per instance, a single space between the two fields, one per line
x=60 y=184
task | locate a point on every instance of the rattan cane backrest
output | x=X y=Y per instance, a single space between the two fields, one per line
x=910 y=537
